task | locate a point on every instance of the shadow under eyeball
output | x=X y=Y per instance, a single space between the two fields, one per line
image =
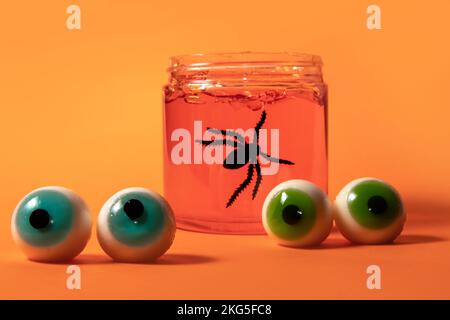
x=328 y=244
x=83 y=259
x=184 y=259
x=92 y=259
x=167 y=259
x=409 y=239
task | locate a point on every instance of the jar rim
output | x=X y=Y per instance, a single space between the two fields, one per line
x=242 y=60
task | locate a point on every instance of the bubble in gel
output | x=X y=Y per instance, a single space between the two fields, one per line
x=51 y=224
x=136 y=225
x=369 y=211
x=297 y=213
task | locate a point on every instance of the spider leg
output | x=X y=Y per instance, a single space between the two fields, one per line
x=258 y=179
x=260 y=124
x=227 y=133
x=261 y=120
x=243 y=185
x=277 y=160
x=218 y=142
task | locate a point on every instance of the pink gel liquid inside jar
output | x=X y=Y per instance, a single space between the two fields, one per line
x=235 y=126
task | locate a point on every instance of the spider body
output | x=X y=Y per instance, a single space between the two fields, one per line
x=244 y=154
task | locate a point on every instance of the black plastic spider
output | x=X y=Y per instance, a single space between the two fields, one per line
x=244 y=154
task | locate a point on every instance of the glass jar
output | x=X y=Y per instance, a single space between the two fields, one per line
x=235 y=126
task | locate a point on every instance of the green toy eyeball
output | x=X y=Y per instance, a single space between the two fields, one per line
x=51 y=224
x=369 y=211
x=297 y=213
x=136 y=225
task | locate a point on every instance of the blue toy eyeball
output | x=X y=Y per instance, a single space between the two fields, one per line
x=51 y=224
x=296 y=213
x=136 y=225
x=369 y=211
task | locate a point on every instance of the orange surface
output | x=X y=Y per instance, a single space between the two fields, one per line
x=83 y=109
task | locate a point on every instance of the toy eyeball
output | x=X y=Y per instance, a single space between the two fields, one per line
x=297 y=213
x=369 y=211
x=136 y=225
x=51 y=224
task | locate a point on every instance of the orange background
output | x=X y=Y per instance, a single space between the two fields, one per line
x=83 y=109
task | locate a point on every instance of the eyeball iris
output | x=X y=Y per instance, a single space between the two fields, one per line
x=51 y=224
x=296 y=213
x=369 y=211
x=291 y=214
x=136 y=219
x=45 y=218
x=136 y=225
x=373 y=204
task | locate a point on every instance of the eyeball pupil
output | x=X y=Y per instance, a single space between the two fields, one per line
x=292 y=214
x=134 y=209
x=377 y=204
x=39 y=219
